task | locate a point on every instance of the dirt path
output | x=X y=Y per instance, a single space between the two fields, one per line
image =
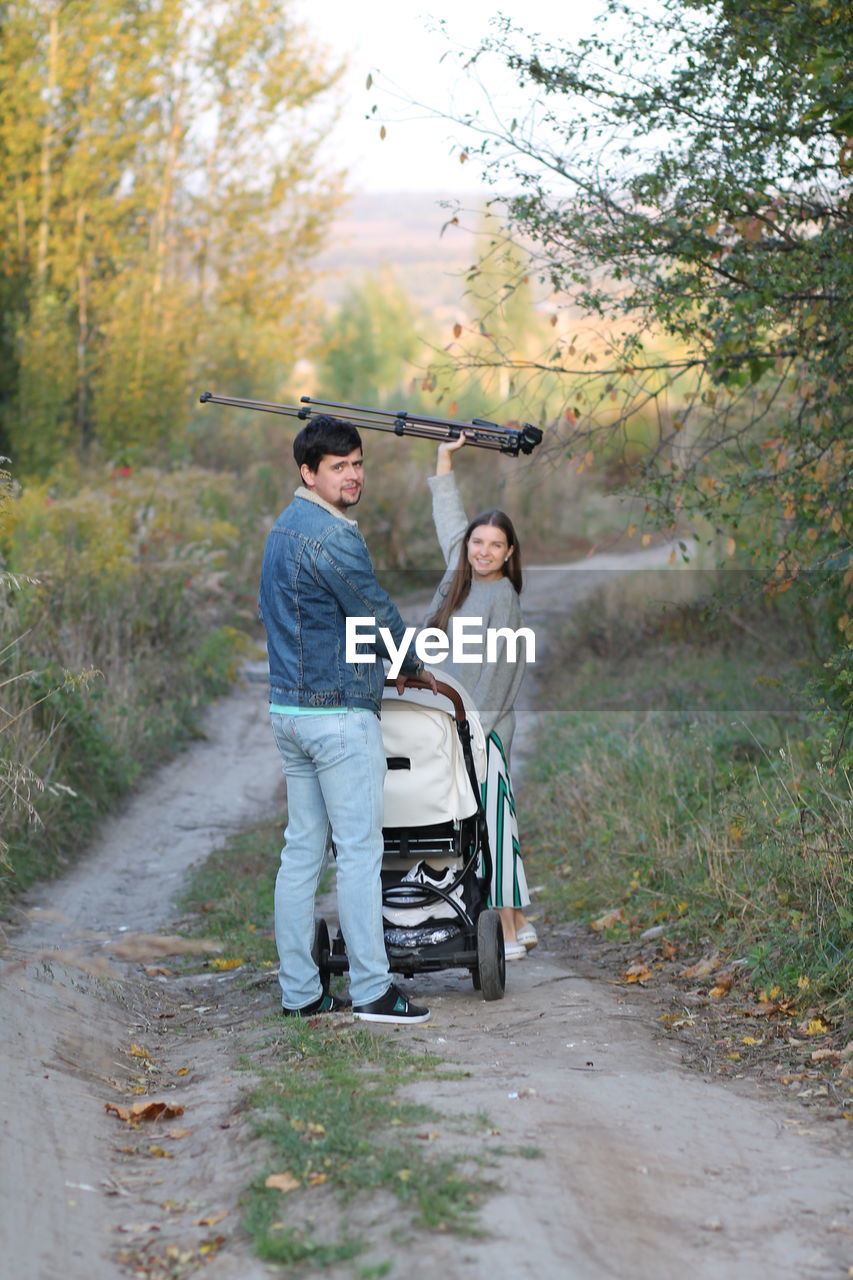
x=646 y=1170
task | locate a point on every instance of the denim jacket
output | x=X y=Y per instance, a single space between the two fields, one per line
x=317 y=572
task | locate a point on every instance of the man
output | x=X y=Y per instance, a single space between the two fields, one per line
x=325 y=718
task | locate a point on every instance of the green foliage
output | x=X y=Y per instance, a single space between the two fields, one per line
x=330 y=1113
x=682 y=173
x=702 y=801
x=500 y=331
x=116 y=602
x=368 y=344
x=832 y=693
x=231 y=895
x=160 y=201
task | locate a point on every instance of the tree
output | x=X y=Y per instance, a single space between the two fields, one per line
x=682 y=179
x=503 y=323
x=368 y=344
x=160 y=201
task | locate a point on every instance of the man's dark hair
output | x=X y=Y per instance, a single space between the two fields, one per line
x=321 y=435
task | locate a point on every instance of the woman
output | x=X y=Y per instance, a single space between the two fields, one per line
x=483 y=580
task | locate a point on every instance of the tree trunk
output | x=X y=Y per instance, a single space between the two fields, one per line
x=84 y=425
x=47 y=142
x=158 y=239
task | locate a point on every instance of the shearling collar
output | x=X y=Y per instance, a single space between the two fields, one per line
x=304 y=492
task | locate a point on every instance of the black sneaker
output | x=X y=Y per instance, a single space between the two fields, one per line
x=325 y=1003
x=392 y=1007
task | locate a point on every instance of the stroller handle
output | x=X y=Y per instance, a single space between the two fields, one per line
x=446 y=690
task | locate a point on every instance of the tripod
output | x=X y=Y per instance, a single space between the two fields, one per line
x=478 y=432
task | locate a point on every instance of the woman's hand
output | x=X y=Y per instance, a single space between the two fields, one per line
x=444 y=461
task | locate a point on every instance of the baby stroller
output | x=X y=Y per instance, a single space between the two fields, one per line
x=436 y=863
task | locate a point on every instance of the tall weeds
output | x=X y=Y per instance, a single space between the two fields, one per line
x=707 y=804
x=118 y=620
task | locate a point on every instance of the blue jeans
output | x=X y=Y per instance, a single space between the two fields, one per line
x=335 y=768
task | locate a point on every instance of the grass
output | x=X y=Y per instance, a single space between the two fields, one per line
x=683 y=785
x=330 y=1106
x=121 y=619
x=230 y=896
x=329 y=1117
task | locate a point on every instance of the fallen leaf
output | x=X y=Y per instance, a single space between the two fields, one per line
x=701 y=968
x=139 y=1051
x=211 y=1246
x=145 y=1111
x=282 y=1181
x=160 y=1154
x=814 y=1027
x=222 y=963
x=315 y=1179
x=178 y=1133
x=825 y=1055
x=637 y=972
x=181 y=1256
x=608 y=920
x=211 y=1219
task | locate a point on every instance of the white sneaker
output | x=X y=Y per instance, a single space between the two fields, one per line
x=527 y=936
x=514 y=950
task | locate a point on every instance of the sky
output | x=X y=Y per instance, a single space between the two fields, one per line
x=390 y=40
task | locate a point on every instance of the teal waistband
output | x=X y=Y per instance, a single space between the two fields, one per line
x=277 y=710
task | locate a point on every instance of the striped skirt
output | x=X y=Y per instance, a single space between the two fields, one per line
x=509 y=884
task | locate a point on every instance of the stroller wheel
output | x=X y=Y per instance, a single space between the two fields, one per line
x=320 y=948
x=490 y=974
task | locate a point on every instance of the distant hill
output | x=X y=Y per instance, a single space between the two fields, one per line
x=403 y=231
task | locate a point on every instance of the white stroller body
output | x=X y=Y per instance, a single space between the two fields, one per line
x=436 y=863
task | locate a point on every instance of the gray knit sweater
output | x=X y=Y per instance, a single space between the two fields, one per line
x=492 y=685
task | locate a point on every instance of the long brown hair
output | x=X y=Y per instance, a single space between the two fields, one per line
x=459 y=586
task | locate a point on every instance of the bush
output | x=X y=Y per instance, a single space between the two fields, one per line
x=707 y=804
x=124 y=628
